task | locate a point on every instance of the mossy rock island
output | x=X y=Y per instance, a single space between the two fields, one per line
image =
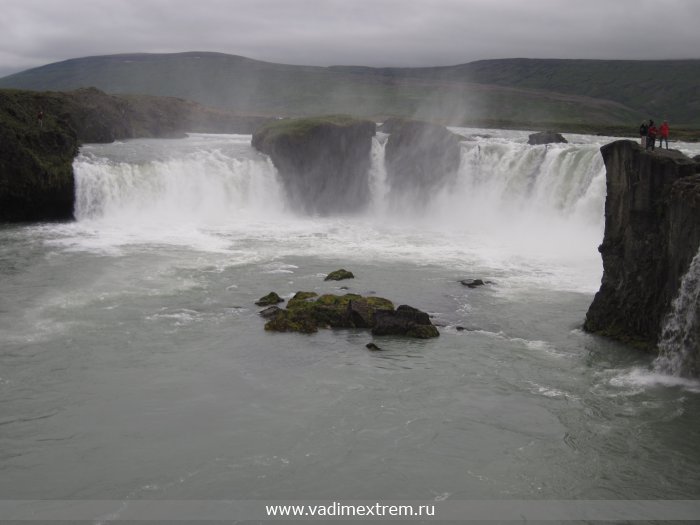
x=323 y=162
x=306 y=312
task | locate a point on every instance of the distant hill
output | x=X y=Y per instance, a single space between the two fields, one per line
x=530 y=92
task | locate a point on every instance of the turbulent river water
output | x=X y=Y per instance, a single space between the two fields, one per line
x=134 y=365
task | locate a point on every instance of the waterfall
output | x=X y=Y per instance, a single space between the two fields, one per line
x=502 y=185
x=208 y=186
x=679 y=344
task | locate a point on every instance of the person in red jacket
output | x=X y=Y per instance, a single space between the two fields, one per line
x=651 y=135
x=663 y=134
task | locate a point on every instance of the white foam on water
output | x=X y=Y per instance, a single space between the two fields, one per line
x=637 y=380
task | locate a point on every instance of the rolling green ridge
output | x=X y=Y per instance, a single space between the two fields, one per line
x=572 y=94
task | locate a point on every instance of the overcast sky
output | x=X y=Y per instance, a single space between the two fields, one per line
x=350 y=32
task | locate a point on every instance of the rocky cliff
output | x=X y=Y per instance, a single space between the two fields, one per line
x=323 y=162
x=36 y=174
x=652 y=233
x=36 y=162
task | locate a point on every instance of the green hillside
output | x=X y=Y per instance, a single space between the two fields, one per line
x=536 y=93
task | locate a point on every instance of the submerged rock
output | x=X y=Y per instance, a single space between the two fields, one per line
x=546 y=137
x=271 y=298
x=472 y=283
x=373 y=347
x=339 y=275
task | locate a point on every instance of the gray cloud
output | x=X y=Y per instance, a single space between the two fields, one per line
x=367 y=32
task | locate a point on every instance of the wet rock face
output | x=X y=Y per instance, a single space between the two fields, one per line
x=323 y=162
x=405 y=320
x=652 y=233
x=419 y=155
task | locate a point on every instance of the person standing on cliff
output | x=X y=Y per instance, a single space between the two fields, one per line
x=643 y=130
x=651 y=135
x=40 y=118
x=663 y=134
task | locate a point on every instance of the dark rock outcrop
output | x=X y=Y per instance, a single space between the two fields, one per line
x=546 y=137
x=419 y=155
x=339 y=275
x=405 y=320
x=323 y=162
x=306 y=312
x=652 y=233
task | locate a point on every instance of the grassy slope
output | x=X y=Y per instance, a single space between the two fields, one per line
x=568 y=94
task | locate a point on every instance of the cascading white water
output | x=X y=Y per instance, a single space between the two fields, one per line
x=497 y=178
x=562 y=181
x=679 y=344
x=379 y=187
x=207 y=186
x=520 y=200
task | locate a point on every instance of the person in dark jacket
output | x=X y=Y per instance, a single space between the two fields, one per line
x=643 y=129
x=651 y=135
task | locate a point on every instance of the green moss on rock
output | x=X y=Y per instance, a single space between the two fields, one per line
x=339 y=275
x=306 y=310
x=269 y=299
x=297 y=128
x=293 y=321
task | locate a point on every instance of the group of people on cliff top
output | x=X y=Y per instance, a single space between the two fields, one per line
x=649 y=132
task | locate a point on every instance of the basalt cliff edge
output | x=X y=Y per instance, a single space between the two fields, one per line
x=652 y=233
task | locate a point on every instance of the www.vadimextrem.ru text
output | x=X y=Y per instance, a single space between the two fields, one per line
x=337 y=510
